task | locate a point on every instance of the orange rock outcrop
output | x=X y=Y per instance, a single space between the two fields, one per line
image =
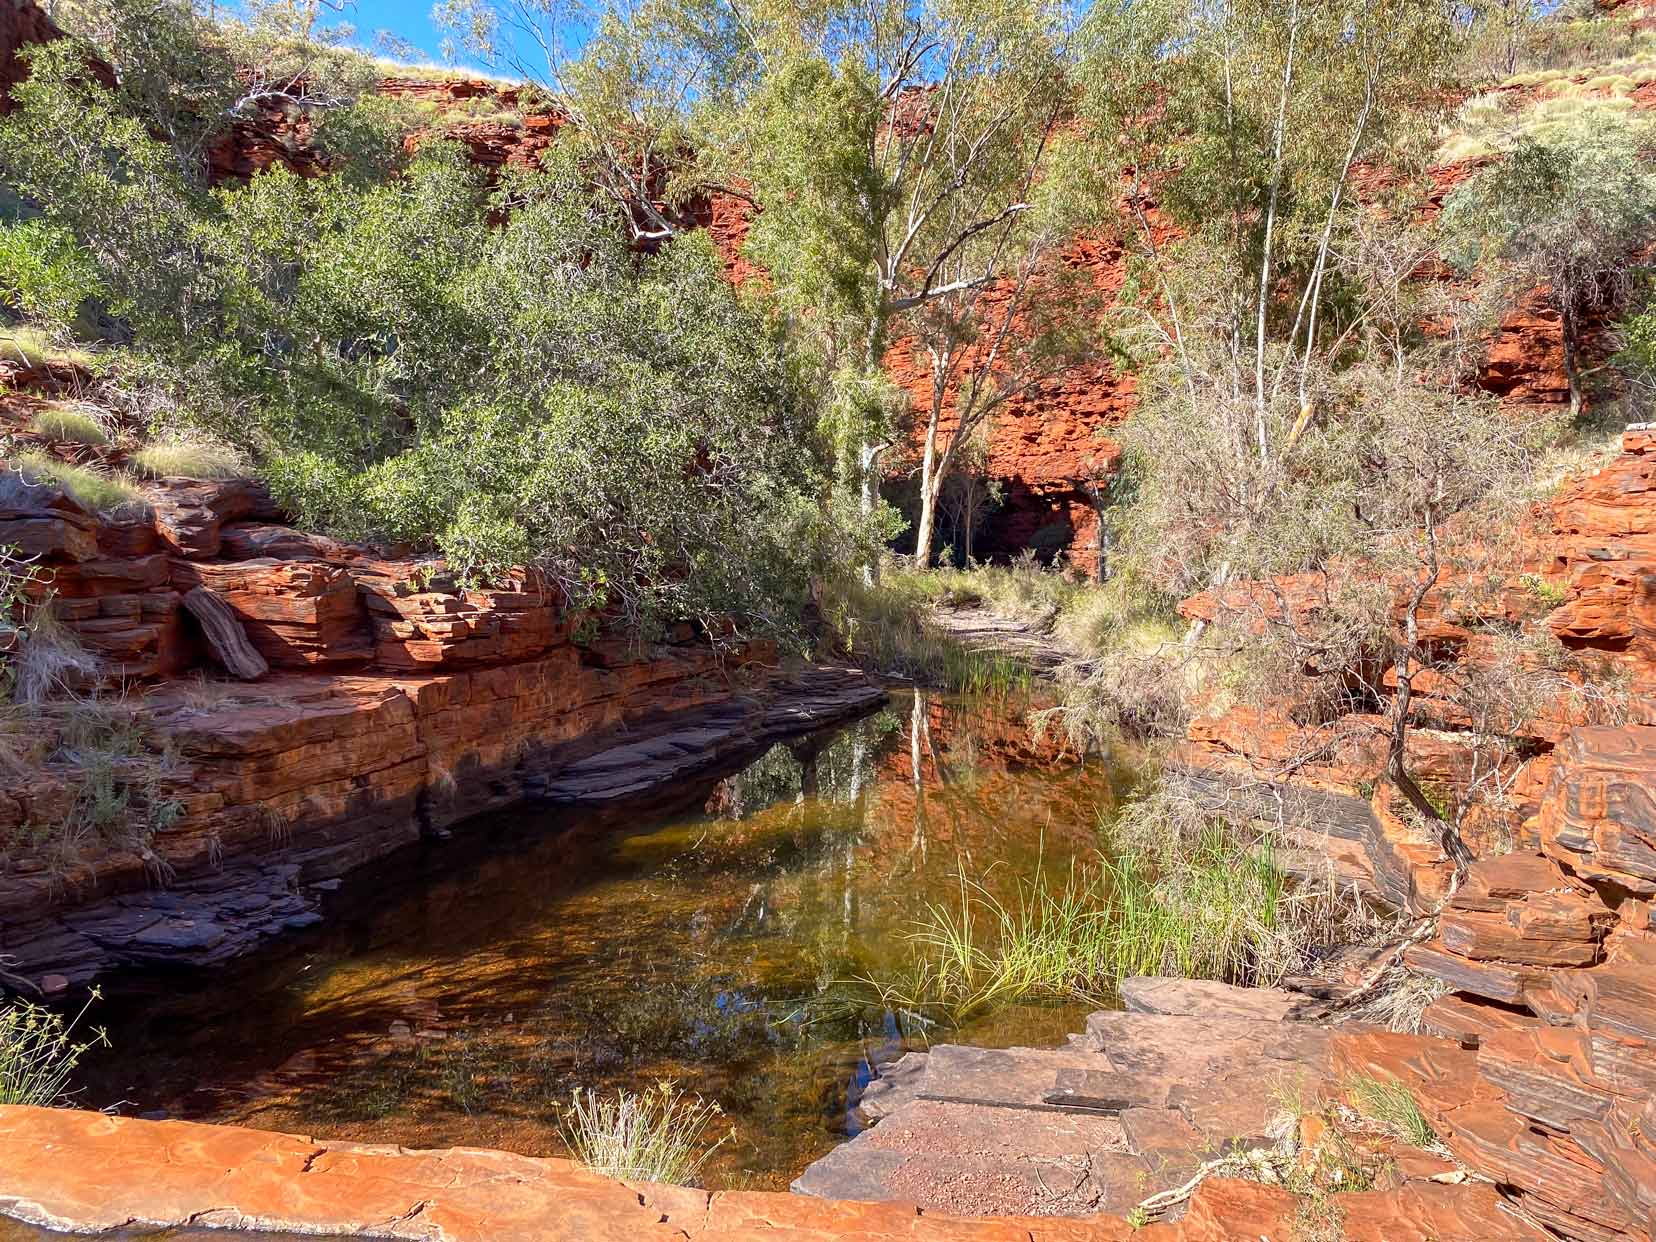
x=90 y=1173
x=402 y=703
x=1548 y=951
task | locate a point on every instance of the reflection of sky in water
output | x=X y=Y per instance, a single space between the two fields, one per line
x=458 y=993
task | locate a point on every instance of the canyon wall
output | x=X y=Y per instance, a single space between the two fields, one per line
x=1546 y=953
x=398 y=702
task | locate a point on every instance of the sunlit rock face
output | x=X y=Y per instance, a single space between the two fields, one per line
x=401 y=702
x=1547 y=948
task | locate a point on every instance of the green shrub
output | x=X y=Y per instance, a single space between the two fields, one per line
x=654 y=1135
x=38 y=1052
x=44 y=274
x=99 y=491
x=183 y=459
x=58 y=422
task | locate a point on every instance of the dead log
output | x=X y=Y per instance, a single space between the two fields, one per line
x=225 y=637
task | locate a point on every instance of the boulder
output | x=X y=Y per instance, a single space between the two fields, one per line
x=297 y=614
x=190 y=513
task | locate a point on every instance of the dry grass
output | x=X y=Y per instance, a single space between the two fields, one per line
x=654 y=1135
x=30 y=347
x=184 y=459
x=47 y=660
x=69 y=423
x=884 y=629
x=100 y=491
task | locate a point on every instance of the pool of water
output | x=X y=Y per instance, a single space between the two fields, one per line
x=457 y=993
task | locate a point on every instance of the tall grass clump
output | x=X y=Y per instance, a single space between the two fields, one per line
x=57 y=422
x=98 y=491
x=39 y=1051
x=1213 y=907
x=654 y=1135
x=178 y=459
x=1391 y=1106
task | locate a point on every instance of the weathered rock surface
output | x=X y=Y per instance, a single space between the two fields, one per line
x=1128 y=1109
x=1141 y=1100
x=402 y=703
x=92 y=1174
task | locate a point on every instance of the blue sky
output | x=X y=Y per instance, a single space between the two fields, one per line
x=409 y=19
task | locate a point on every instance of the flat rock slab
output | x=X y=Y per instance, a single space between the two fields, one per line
x=1206 y=998
x=92 y=1174
x=982 y=1159
x=1131 y=1108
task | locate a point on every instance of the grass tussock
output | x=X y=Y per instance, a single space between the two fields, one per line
x=655 y=1135
x=39 y=1051
x=1400 y=1000
x=68 y=424
x=28 y=346
x=99 y=491
x=1215 y=908
x=1542 y=105
x=1389 y=1105
x=46 y=661
x=180 y=459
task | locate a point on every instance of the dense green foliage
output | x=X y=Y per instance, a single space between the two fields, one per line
x=552 y=368
x=413 y=356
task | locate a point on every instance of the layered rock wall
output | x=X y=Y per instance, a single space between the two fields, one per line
x=1547 y=949
x=401 y=703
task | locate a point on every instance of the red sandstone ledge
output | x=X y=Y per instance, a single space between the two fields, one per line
x=90 y=1173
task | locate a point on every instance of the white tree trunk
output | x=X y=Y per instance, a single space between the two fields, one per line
x=931 y=478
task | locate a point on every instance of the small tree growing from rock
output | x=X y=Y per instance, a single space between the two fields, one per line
x=1571 y=212
x=1427 y=481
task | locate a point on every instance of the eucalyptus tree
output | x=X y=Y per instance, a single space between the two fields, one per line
x=1238 y=127
x=900 y=154
x=890 y=152
x=992 y=343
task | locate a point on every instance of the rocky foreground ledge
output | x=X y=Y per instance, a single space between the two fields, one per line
x=88 y=1173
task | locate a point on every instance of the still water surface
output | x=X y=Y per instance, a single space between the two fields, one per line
x=458 y=992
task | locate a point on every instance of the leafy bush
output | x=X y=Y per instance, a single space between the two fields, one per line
x=1568 y=210
x=654 y=1135
x=497 y=377
x=44 y=274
